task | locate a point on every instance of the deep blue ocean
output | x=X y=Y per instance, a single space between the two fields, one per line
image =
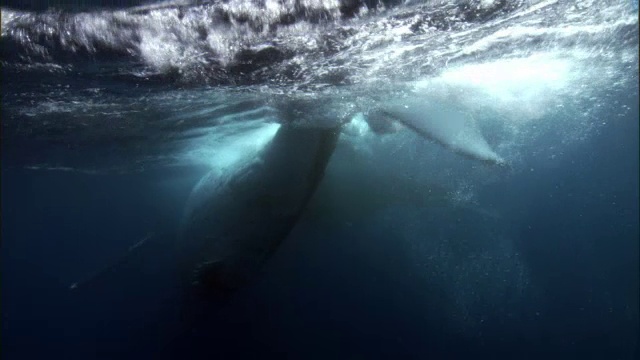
x=408 y=249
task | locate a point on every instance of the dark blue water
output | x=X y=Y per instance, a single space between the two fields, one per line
x=551 y=271
x=328 y=293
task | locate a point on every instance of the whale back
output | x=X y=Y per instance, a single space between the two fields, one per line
x=234 y=221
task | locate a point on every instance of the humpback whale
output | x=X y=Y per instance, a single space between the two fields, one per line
x=236 y=216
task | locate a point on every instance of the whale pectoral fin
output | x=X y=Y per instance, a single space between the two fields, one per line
x=452 y=129
x=133 y=260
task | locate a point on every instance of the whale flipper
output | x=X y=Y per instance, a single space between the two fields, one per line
x=448 y=127
x=148 y=259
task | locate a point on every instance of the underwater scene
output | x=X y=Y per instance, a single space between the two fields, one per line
x=319 y=179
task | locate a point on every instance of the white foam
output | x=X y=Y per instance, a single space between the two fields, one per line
x=357 y=127
x=521 y=89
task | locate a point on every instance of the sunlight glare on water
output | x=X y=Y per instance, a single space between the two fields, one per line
x=522 y=89
x=224 y=152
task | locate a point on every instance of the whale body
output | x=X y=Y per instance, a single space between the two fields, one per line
x=237 y=215
x=234 y=220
